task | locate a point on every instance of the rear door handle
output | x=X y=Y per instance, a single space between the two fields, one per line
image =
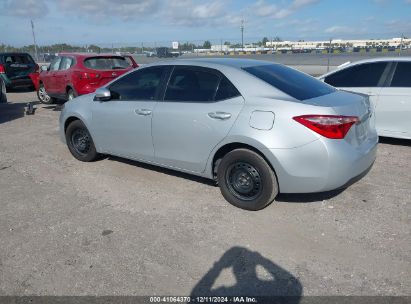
x=219 y=115
x=143 y=112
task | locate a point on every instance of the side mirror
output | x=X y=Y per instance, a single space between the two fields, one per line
x=102 y=94
x=44 y=68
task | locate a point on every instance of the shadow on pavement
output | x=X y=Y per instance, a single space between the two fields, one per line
x=11 y=111
x=308 y=197
x=395 y=141
x=158 y=169
x=255 y=276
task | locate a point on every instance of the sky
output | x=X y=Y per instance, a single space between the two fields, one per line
x=132 y=22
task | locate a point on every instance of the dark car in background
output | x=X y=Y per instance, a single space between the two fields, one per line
x=73 y=74
x=164 y=52
x=15 y=70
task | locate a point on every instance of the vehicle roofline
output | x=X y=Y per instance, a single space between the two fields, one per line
x=368 y=60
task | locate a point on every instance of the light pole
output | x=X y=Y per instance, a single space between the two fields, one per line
x=242 y=34
x=34 y=39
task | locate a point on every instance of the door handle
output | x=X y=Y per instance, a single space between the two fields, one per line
x=143 y=112
x=219 y=115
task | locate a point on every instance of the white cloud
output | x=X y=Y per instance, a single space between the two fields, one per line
x=125 y=9
x=336 y=29
x=23 y=8
x=263 y=9
x=195 y=13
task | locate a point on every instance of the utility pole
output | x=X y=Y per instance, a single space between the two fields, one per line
x=401 y=44
x=329 y=55
x=34 y=39
x=242 y=34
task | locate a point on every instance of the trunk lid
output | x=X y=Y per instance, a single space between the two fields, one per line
x=350 y=104
x=18 y=65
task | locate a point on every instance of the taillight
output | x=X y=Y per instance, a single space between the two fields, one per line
x=2 y=69
x=87 y=75
x=330 y=126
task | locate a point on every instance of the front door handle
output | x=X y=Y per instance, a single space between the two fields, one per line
x=219 y=115
x=144 y=112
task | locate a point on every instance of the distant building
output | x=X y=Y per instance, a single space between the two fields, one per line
x=337 y=43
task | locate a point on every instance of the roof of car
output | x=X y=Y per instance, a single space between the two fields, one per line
x=222 y=62
x=378 y=59
x=86 y=55
x=368 y=60
x=14 y=53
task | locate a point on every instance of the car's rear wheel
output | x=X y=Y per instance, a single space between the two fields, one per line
x=246 y=180
x=80 y=143
x=43 y=96
x=3 y=95
x=71 y=94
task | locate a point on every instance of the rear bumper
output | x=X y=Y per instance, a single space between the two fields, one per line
x=322 y=165
x=88 y=88
x=21 y=82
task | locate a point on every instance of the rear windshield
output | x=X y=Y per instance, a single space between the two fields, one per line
x=294 y=83
x=106 y=63
x=17 y=58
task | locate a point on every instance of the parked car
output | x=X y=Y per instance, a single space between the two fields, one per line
x=15 y=71
x=70 y=74
x=388 y=83
x=255 y=127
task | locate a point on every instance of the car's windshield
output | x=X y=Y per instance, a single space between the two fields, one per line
x=106 y=63
x=292 y=82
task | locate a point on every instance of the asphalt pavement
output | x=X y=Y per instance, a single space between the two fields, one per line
x=118 y=227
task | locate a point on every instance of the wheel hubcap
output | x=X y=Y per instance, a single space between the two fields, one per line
x=80 y=140
x=243 y=181
x=43 y=94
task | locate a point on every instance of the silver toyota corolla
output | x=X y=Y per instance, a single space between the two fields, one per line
x=255 y=127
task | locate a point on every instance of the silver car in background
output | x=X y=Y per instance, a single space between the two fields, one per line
x=387 y=80
x=255 y=127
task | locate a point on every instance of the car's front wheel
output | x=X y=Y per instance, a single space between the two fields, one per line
x=246 y=180
x=43 y=96
x=80 y=143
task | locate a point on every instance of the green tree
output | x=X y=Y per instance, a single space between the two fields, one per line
x=207 y=45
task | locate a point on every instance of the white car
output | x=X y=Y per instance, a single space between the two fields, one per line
x=387 y=80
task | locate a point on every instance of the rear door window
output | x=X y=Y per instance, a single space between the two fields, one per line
x=106 y=63
x=55 y=64
x=226 y=90
x=66 y=63
x=362 y=75
x=402 y=75
x=292 y=82
x=142 y=84
x=192 y=84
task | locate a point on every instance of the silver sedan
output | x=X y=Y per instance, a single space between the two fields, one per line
x=255 y=127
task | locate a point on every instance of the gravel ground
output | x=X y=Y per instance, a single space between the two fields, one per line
x=117 y=227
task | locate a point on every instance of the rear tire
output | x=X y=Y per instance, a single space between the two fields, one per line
x=3 y=95
x=80 y=143
x=43 y=96
x=246 y=180
x=71 y=94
